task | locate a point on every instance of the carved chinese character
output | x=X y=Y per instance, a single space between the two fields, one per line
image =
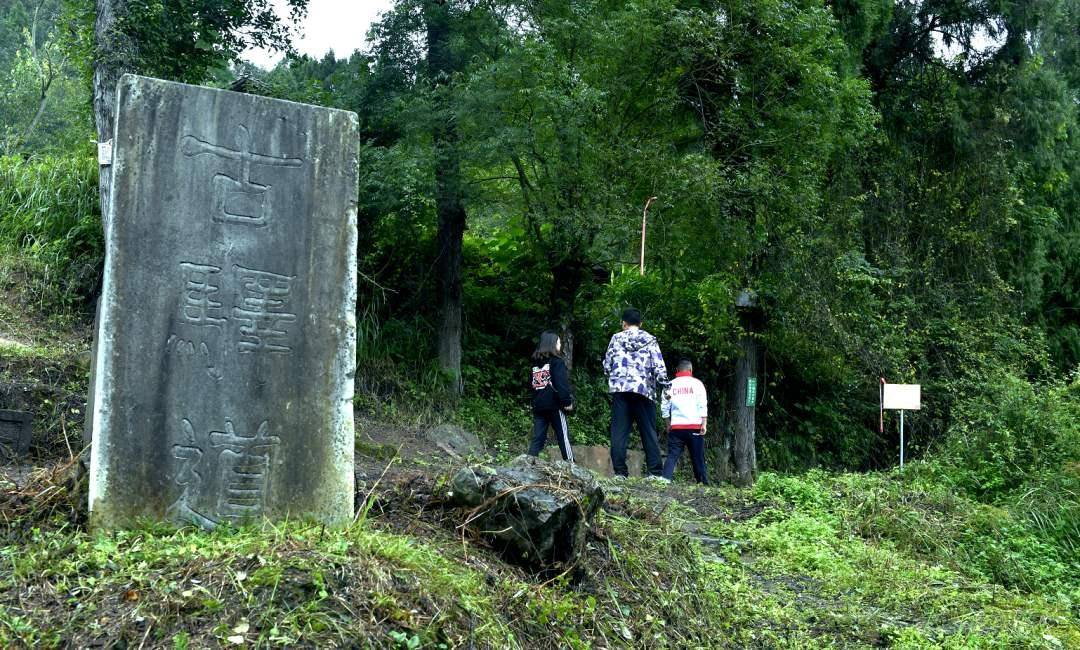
x=201 y=282
x=244 y=465
x=188 y=457
x=189 y=349
x=261 y=310
x=239 y=200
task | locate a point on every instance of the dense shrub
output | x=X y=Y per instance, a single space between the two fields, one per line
x=1009 y=431
x=919 y=514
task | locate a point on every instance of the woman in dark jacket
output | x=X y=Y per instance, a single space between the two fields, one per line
x=552 y=396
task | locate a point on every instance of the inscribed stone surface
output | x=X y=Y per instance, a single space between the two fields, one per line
x=225 y=348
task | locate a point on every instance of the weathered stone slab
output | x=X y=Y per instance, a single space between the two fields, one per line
x=225 y=347
x=16 y=428
x=598 y=459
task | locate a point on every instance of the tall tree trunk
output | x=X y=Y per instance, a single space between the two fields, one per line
x=45 y=85
x=112 y=53
x=29 y=130
x=744 y=420
x=450 y=236
x=449 y=204
x=111 y=49
x=743 y=405
x=723 y=467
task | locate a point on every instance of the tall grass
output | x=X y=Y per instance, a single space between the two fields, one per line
x=50 y=217
x=396 y=364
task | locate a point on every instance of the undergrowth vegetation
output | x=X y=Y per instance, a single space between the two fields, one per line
x=51 y=241
x=822 y=560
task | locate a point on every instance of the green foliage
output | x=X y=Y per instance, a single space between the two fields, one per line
x=921 y=515
x=329 y=81
x=43 y=105
x=898 y=182
x=184 y=40
x=903 y=204
x=902 y=213
x=823 y=563
x=49 y=210
x=1008 y=431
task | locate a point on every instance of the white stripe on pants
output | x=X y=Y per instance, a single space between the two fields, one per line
x=566 y=436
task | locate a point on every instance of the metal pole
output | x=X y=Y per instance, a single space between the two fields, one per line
x=901 y=438
x=644 y=214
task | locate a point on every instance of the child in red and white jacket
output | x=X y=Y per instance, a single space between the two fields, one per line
x=685 y=409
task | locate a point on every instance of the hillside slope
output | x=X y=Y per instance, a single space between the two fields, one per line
x=819 y=560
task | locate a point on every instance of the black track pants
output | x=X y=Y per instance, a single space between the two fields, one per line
x=555 y=419
x=677 y=440
x=628 y=408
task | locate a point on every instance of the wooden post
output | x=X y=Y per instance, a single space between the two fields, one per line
x=744 y=404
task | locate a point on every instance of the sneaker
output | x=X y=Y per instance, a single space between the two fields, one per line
x=618 y=477
x=653 y=477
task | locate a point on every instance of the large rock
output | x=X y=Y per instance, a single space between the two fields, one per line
x=536 y=512
x=225 y=347
x=455 y=441
x=598 y=459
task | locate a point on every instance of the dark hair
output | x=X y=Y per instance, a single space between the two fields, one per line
x=548 y=346
x=631 y=316
x=684 y=365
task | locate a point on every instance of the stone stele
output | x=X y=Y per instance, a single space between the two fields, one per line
x=227 y=334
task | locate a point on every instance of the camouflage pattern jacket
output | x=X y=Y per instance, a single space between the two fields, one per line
x=634 y=364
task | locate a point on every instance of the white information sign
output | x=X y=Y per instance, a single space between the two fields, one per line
x=104 y=152
x=902 y=397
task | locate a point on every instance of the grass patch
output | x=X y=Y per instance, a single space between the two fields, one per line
x=49 y=210
x=364 y=586
x=281 y=586
x=800 y=562
x=50 y=381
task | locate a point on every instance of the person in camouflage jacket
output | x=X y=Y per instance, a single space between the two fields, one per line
x=635 y=369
